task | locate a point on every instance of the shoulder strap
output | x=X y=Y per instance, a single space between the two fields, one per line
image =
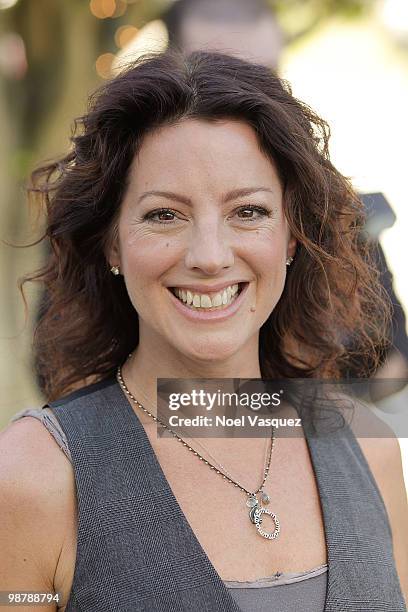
x=362 y=575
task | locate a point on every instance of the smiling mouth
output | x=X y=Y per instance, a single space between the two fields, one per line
x=208 y=301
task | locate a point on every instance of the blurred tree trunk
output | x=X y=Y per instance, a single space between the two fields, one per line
x=62 y=41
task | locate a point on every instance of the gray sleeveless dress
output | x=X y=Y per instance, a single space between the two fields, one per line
x=137 y=552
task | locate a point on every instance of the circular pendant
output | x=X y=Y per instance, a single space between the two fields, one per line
x=256 y=517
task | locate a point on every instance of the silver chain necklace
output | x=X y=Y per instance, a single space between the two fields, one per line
x=197 y=442
x=257 y=511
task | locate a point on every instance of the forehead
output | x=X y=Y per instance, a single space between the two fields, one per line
x=200 y=153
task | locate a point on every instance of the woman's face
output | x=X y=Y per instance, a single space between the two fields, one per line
x=201 y=215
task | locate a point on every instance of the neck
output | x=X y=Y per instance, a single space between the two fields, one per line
x=152 y=360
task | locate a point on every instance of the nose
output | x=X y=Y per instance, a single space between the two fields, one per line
x=210 y=249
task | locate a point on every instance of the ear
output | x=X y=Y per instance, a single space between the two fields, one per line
x=112 y=249
x=292 y=244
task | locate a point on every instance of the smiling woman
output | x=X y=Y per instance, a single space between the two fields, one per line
x=167 y=140
x=198 y=230
x=222 y=240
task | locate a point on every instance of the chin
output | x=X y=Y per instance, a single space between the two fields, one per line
x=211 y=349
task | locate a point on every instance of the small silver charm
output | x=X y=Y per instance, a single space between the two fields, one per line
x=265 y=498
x=251 y=502
x=256 y=515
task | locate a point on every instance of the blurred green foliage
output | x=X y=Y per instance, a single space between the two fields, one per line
x=300 y=17
x=323 y=7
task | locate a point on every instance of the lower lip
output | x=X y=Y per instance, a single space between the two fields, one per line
x=207 y=315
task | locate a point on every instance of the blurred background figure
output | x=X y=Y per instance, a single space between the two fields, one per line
x=391 y=377
x=249 y=28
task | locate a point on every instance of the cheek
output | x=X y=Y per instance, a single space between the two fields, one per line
x=145 y=260
x=268 y=261
x=268 y=253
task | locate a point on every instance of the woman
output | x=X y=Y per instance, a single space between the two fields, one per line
x=198 y=224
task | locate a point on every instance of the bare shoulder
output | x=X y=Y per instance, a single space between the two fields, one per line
x=379 y=445
x=30 y=456
x=382 y=452
x=37 y=495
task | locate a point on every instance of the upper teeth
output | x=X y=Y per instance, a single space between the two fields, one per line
x=205 y=300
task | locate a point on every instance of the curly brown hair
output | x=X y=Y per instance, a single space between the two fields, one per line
x=332 y=297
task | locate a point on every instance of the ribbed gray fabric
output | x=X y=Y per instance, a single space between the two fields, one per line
x=48 y=419
x=278 y=579
x=137 y=552
x=305 y=596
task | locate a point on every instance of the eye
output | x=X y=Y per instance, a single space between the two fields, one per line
x=165 y=216
x=157 y=216
x=248 y=212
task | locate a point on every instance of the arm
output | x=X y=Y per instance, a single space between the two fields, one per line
x=383 y=456
x=32 y=492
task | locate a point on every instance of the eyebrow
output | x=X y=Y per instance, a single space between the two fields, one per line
x=231 y=195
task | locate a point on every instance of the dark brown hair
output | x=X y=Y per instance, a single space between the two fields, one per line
x=332 y=298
